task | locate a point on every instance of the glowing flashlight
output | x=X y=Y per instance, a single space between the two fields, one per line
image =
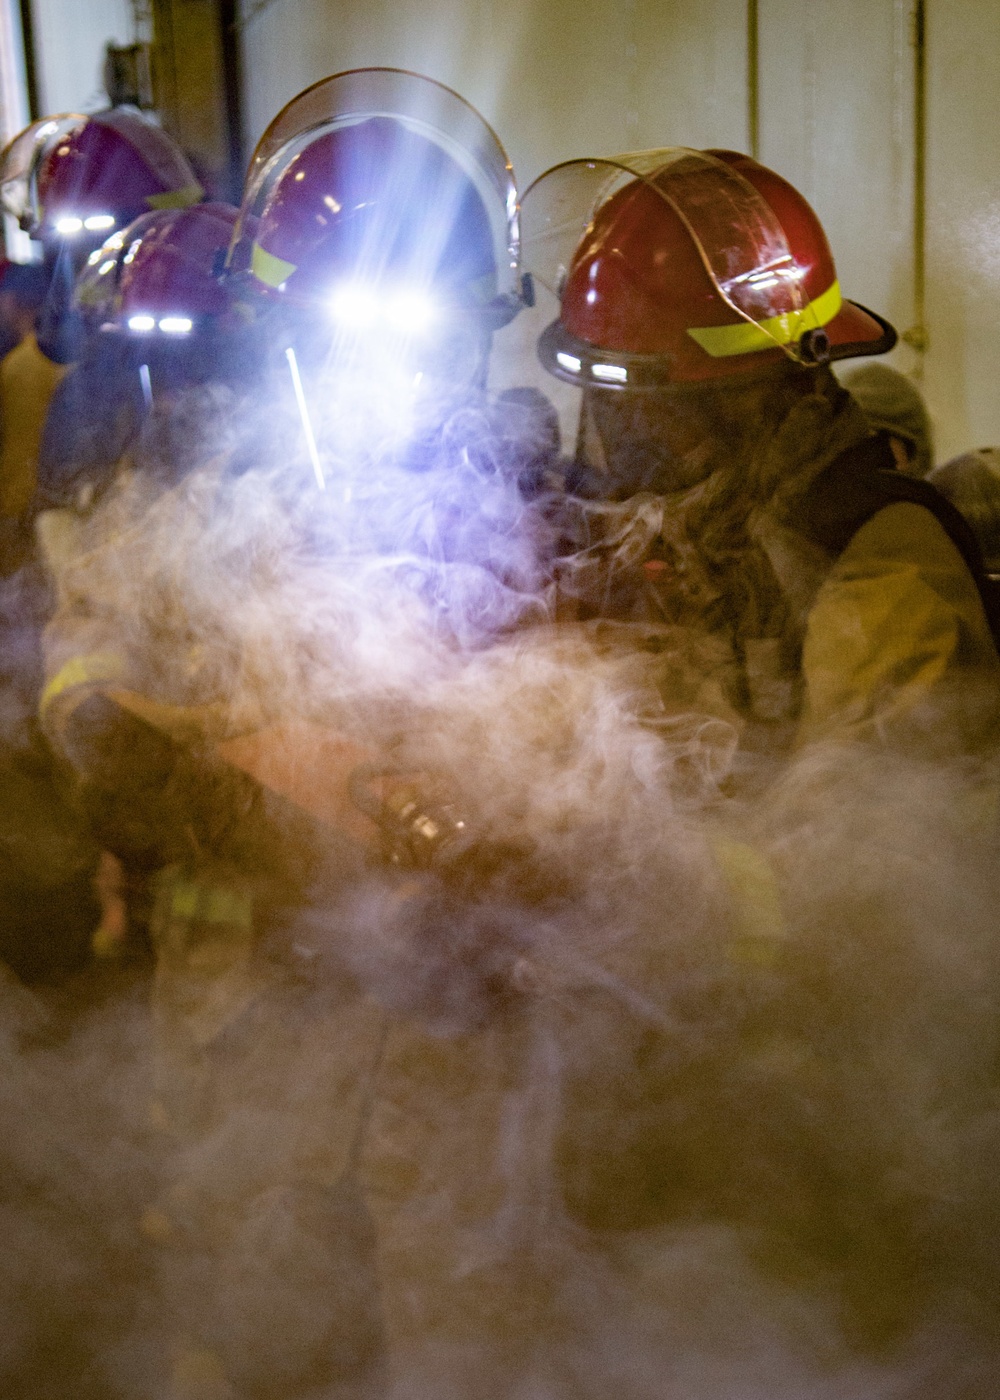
x=410 y=312
x=402 y=310
x=356 y=306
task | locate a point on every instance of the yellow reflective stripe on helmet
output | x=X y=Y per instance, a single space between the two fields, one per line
x=272 y=271
x=175 y=199
x=748 y=336
x=96 y=669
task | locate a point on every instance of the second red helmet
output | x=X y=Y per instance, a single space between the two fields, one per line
x=377 y=190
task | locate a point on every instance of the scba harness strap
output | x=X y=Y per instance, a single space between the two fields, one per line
x=865 y=480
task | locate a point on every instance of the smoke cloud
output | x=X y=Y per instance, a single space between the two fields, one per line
x=566 y=1114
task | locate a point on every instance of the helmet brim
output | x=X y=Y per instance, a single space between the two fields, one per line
x=857 y=331
x=854 y=331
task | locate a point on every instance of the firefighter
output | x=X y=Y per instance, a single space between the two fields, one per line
x=382 y=264
x=725 y=482
x=302 y=1240
x=154 y=379
x=71 y=181
x=157 y=324
x=817 y=620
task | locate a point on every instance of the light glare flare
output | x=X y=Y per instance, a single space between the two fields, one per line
x=412 y=312
x=404 y=311
x=96 y=222
x=141 y=323
x=69 y=225
x=176 y=325
x=307 y=427
x=355 y=306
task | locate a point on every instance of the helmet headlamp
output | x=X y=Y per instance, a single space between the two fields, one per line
x=400 y=310
x=142 y=323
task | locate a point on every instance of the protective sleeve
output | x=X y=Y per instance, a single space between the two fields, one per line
x=28 y=380
x=897 y=645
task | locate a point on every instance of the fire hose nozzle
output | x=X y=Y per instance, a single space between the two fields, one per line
x=417 y=815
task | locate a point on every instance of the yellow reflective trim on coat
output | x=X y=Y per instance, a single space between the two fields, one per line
x=96 y=669
x=212 y=904
x=759 y=931
x=746 y=337
x=272 y=271
x=175 y=199
x=28 y=380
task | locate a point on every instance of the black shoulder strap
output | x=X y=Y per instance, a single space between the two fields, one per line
x=864 y=480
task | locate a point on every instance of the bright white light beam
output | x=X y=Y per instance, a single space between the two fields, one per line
x=300 y=399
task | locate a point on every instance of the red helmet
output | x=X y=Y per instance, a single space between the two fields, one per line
x=82 y=176
x=159 y=277
x=376 y=192
x=678 y=266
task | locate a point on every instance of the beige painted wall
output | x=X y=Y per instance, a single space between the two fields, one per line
x=837 y=100
x=559 y=78
x=554 y=78
x=963 y=222
x=70 y=36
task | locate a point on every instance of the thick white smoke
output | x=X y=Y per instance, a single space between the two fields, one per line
x=558 y=1118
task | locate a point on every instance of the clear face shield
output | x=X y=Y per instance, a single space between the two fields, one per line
x=19 y=166
x=419 y=104
x=379 y=355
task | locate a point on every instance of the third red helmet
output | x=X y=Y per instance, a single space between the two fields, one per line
x=98 y=173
